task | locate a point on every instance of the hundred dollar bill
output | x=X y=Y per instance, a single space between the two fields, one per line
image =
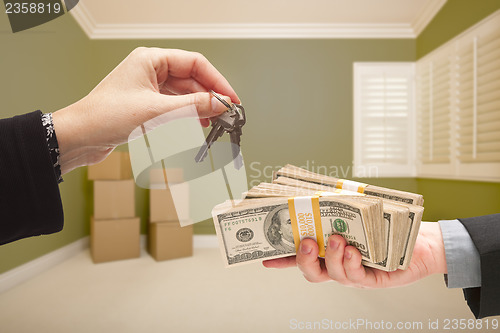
x=414 y=220
x=259 y=229
x=409 y=230
x=395 y=228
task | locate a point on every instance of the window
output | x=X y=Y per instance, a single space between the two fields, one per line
x=434 y=114
x=458 y=106
x=384 y=120
x=457 y=111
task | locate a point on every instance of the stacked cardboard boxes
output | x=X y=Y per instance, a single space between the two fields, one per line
x=167 y=239
x=114 y=228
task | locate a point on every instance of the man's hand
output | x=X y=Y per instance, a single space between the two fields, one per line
x=342 y=263
x=148 y=83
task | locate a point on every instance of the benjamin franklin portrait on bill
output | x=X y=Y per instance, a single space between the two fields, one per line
x=278 y=229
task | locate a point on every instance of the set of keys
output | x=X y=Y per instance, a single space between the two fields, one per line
x=231 y=121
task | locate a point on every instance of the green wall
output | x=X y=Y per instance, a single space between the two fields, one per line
x=447 y=199
x=297 y=93
x=46 y=68
x=455 y=17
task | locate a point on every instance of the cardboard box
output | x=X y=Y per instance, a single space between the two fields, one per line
x=162 y=207
x=173 y=175
x=114 y=239
x=115 y=167
x=168 y=240
x=114 y=199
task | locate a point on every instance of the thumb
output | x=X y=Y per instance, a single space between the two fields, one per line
x=206 y=105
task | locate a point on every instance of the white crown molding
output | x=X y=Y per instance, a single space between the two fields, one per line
x=83 y=17
x=96 y=30
x=425 y=16
x=249 y=31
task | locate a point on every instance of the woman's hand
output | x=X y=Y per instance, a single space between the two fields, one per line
x=342 y=263
x=148 y=83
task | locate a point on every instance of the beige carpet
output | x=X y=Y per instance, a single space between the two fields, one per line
x=198 y=294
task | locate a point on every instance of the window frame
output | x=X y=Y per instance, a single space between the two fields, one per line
x=457 y=170
x=454 y=169
x=386 y=170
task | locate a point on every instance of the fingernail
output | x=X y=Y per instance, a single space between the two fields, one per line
x=333 y=244
x=347 y=255
x=305 y=249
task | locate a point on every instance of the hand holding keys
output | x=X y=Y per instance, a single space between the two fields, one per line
x=231 y=121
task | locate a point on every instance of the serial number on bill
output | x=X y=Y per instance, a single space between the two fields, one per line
x=32 y=8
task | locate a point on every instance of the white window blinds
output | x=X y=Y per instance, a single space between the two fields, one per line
x=457 y=102
x=383 y=119
x=434 y=105
x=458 y=106
x=479 y=97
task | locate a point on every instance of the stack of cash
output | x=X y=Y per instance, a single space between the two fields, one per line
x=381 y=223
x=291 y=171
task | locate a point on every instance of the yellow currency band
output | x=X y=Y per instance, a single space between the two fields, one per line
x=327 y=193
x=306 y=221
x=350 y=185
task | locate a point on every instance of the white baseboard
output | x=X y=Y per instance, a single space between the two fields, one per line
x=35 y=267
x=205 y=241
x=199 y=241
x=31 y=269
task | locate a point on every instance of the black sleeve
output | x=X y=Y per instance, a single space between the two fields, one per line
x=30 y=203
x=484 y=301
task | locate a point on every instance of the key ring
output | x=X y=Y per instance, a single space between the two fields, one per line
x=233 y=107
x=216 y=95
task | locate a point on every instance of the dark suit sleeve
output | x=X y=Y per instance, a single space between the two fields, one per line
x=484 y=301
x=30 y=203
